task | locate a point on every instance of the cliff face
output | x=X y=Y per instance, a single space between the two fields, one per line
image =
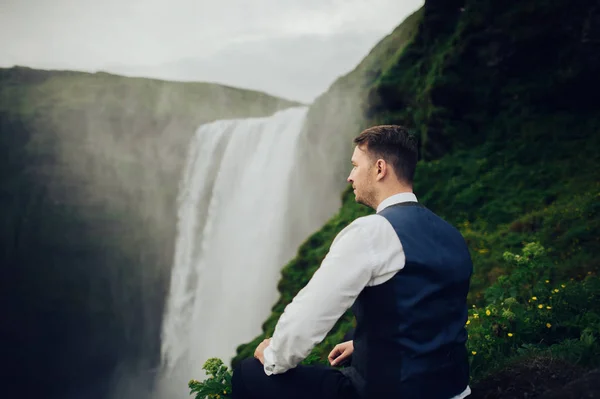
x=501 y=96
x=338 y=115
x=90 y=165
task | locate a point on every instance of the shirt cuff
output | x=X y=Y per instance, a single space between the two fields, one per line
x=269 y=363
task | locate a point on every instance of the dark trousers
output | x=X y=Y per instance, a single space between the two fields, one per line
x=302 y=382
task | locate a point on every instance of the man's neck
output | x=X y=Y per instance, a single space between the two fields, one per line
x=395 y=196
x=393 y=190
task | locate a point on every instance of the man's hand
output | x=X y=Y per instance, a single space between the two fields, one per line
x=340 y=353
x=260 y=349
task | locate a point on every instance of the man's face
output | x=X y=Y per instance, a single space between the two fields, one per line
x=362 y=177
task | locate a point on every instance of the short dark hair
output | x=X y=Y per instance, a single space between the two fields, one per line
x=395 y=145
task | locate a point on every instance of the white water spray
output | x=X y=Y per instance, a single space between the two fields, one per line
x=236 y=222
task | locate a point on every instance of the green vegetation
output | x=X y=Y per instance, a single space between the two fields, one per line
x=218 y=383
x=497 y=93
x=509 y=156
x=529 y=312
x=526 y=314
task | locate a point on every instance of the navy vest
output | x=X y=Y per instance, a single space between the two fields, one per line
x=410 y=338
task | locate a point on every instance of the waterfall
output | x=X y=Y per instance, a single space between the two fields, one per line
x=237 y=227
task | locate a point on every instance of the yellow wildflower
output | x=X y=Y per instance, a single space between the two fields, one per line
x=475 y=315
x=556 y=290
x=540 y=306
x=548 y=307
x=562 y=285
x=547 y=281
x=468 y=321
x=487 y=312
x=510 y=334
x=474 y=353
x=548 y=325
x=534 y=298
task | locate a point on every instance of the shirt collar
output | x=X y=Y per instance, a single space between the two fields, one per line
x=396 y=199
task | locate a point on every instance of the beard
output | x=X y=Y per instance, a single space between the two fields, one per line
x=366 y=197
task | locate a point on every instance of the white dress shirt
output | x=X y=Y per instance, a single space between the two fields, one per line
x=365 y=253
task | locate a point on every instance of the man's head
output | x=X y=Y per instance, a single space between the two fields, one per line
x=384 y=163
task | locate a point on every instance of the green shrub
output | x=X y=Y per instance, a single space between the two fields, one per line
x=218 y=383
x=527 y=312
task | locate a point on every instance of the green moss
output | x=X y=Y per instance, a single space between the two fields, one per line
x=508 y=146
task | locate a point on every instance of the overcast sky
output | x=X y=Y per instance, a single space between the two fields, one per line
x=290 y=48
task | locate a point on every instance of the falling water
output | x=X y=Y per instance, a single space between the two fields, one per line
x=236 y=217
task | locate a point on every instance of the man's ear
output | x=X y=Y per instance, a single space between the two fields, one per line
x=381 y=167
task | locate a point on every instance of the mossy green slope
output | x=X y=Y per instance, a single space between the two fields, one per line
x=499 y=94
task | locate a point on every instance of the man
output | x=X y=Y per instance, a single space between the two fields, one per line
x=404 y=271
